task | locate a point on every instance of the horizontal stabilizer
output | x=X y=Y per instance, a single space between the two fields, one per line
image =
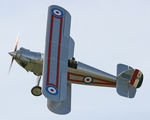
x=128 y=80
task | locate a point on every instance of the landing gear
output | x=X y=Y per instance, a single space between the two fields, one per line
x=37 y=90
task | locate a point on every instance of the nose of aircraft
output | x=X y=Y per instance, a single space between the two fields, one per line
x=13 y=54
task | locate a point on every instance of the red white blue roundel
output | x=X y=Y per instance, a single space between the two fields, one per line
x=57 y=12
x=88 y=79
x=52 y=90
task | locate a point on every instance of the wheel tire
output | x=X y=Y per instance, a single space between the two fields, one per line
x=36 y=91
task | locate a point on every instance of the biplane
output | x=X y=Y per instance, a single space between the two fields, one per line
x=60 y=69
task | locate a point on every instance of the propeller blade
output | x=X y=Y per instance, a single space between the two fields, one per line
x=11 y=64
x=16 y=44
x=13 y=53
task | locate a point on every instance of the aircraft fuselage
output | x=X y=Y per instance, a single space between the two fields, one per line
x=33 y=62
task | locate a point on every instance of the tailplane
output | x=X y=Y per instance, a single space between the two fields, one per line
x=128 y=79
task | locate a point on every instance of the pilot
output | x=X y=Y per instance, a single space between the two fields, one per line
x=72 y=63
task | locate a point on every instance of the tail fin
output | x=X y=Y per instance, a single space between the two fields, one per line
x=128 y=79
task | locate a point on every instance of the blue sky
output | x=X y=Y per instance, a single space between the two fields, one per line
x=106 y=33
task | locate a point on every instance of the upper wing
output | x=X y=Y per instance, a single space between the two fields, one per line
x=57 y=52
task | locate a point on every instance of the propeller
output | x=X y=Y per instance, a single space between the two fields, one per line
x=13 y=53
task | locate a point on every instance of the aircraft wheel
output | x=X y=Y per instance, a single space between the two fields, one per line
x=36 y=91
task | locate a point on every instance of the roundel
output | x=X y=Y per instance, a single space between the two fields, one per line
x=52 y=90
x=88 y=79
x=57 y=12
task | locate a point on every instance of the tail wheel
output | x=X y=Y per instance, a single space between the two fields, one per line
x=36 y=91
